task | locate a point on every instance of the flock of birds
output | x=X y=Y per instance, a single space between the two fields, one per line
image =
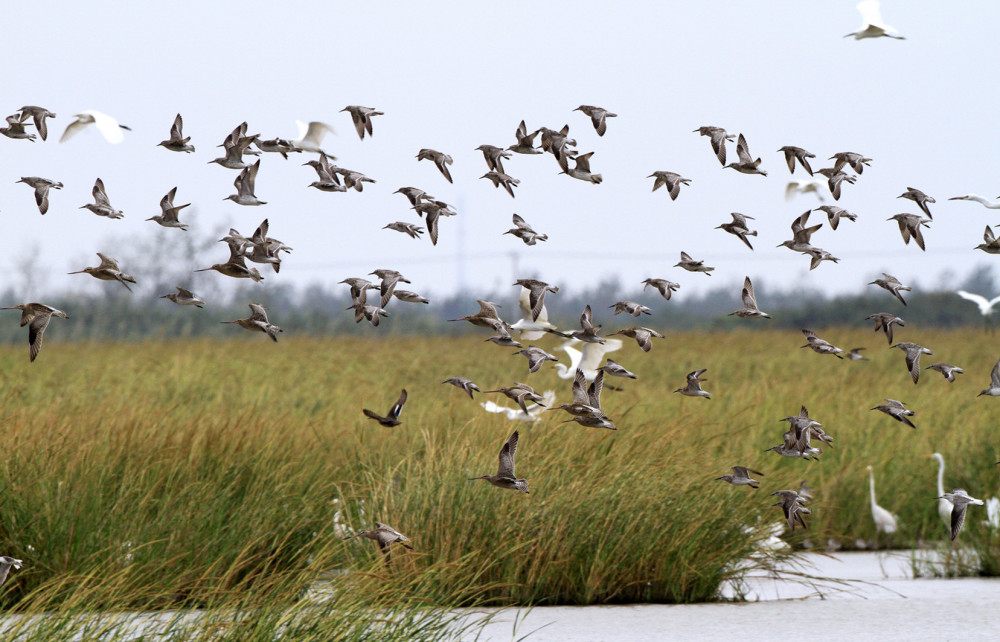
x=586 y=347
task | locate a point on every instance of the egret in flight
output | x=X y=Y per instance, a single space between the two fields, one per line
x=985 y=306
x=871 y=23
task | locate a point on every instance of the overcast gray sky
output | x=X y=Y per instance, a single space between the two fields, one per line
x=452 y=76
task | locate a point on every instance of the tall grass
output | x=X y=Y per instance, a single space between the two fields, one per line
x=207 y=474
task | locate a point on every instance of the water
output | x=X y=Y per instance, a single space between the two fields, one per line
x=876 y=598
x=881 y=601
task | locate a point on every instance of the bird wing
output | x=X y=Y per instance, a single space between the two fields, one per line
x=580 y=388
x=718 y=139
x=593 y=353
x=108 y=127
x=743 y=151
x=176 y=130
x=74 y=128
x=957 y=518
x=995 y=376
x=101 y=197
x=506 y=465
x=594 y=392
x=749 y=301
x=257 y=312
x=977 y=299
x=398 y=406
x=35 y=331
x=167 y=202
x=432 y=225
x=107 y=262
x=575 y=356
x=314 y=132
x=585 y=319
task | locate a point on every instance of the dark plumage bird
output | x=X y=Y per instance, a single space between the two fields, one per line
x=392 y=418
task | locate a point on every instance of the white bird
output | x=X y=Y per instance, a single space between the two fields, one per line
x=110 y=128
x=944 y=506
x=588 y=358
x=985 y=307
x=885 y=521
x=812 y=185
x=993 y=513
x=311 y=136
x=516 y=414
x=531 y=330
x=988 y=204
x=871 y=23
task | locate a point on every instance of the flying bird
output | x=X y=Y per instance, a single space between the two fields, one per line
x=913 y=352
x=41 y=187
x=258 y=321
x=108 y=270
x=184 y=297
x=392 y=417
x=960 y=501
x=463 y=384
x=101 y=205
x=505 y=477
x=440 y=159
x=598 y=116
x=36 y=316
x=897 y=411
x=671 y=180
x=749 y=309
x=741 y=477
x=177 y=142
x=793 y=154
x=871 y=23
x=362 y=117
x=38 y=116
x=110 y=128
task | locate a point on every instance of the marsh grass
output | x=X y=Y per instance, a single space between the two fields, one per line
x=205 y=474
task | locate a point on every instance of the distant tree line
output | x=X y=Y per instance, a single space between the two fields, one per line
x=321 y=310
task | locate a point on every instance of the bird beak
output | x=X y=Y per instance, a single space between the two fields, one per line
x=77 y=272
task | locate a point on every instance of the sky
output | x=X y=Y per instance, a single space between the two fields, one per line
x=452 y=76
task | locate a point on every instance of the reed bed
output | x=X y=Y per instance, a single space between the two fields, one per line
x=207 y=474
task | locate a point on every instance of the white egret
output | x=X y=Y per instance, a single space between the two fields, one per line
x=943 y=506
x=806 y=186
x=311 y=136
x=110 y=128
x=531 y=330
x=985 y=306
x=993 y=512
x=885 y=522
x=871 y=23
x=588 y=358
x=516 y=414
x=982 y=200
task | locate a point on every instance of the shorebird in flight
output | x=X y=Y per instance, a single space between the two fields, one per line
x=392 y=417
x=36 y=316
x=505 y=477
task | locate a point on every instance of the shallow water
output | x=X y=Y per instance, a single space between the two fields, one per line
x=880 y=600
